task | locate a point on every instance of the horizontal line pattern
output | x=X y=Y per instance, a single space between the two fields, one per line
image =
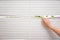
x=27 y=28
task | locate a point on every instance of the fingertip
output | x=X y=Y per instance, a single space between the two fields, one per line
x=43 y=19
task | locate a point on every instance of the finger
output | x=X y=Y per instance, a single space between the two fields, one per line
x=44 y=19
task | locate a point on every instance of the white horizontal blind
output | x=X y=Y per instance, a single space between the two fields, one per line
x=28 y=28
x=29 y=8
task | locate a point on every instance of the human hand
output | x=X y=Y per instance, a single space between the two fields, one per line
x=47 y=23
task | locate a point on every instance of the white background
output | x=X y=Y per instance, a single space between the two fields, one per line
x=28 y=28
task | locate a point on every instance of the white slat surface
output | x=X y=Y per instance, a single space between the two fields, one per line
x=28 y=28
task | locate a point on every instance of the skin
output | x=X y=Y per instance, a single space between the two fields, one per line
x=50 y=26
